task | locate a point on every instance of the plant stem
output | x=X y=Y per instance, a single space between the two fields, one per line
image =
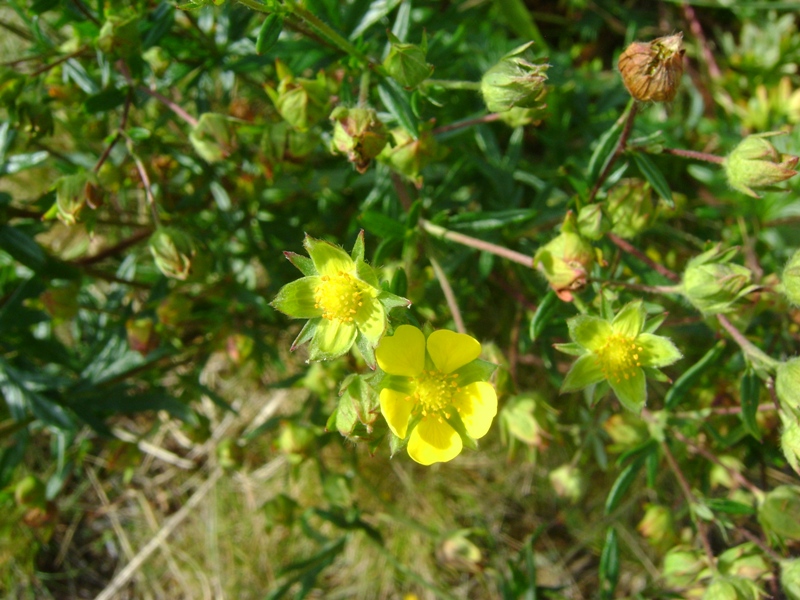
x=648 y=289
x=449 y=296
x=449 y=84
x=627 y=247
x=113 y=250
x=629 y=115
x=704 y=156
x=178 y=110
x=750 y=350
x=45 y=68
x=466 y=123
x=472 y=242
x=687 y=493
x=120 y=132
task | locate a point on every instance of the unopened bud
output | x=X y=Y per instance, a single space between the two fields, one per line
x=629 y=205
x=790 y=578
x=790 y=280
x=566 y=260
x=731 y=588
x=301 y=102
x=713 y=284
x=682 y=566
x=652 y=71
x=173 y=251
x=656 y=526
x=515 y=82
x=787 y=386
x=358 y=134
x=567 y=482
x=756 y=163
x=406 y=63
x=142 y=336
x=410 y=155
x=745 y=560
x=213 y=138
x=592 y=222
x=71 y=195
x=790 y=441
x=779 y=513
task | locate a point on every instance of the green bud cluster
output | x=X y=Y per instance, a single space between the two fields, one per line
x=406 y=63
x=629 y=205
x=358 y=134
x=756 y=163
x=173 y=251
x=409 y=155
x=515 y=82
x=713 y=284
x=566 y=260
x=301 y=102
x=213 y=138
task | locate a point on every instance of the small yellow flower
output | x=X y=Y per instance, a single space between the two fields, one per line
x=435 y=391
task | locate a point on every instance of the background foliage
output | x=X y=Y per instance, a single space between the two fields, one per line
x=154 y=417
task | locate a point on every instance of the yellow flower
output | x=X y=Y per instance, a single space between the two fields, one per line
x=435 y=391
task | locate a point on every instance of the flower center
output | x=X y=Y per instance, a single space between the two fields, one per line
x=339 y=296
x=619 y=357
x=434 y=392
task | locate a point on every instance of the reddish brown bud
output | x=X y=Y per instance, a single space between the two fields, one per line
x=652 y=71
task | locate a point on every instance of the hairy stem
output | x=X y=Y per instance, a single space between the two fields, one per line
x=472 y=242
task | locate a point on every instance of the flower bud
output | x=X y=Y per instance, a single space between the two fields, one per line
x=71 y=195
x=592 y=222
x=682 y=566
x=779 y=513
x=406 y=64
x=519 y=117
x=213 y=138
x=514 y=82
x=30 y=491
x=301 y=102
x=358 y=134
x=142 y=336
x=731 y=588
x=746 y=561
x=656 y=526
x=790 y=442
x=173 y=250
x=790 y=578
x=790 y=280
x=566 y=260
x=567 y=482
x=629 y=205
x=119 y=37
x=625 y=430
x=652 y=71
x=756 y=163
x=713 y=284
x=787 y=386
x=410 y=155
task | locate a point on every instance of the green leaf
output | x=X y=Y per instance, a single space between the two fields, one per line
x=21 y=247
x=521 y=22
x=104 y=101
x=730 y=507
x=749 y=392
x=685 y=382
x=477 y=370
x=395 y=99
x=544 y=312
x=269 y=33
x=654 y=176
x=21 y=162
x=609 y=565
x=376 y=11
x=604 y=151
x=382 y=225
x=622 y=483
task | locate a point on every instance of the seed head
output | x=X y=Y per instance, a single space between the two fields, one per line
x=652 y=71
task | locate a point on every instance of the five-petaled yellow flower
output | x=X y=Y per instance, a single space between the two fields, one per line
x=434 y=389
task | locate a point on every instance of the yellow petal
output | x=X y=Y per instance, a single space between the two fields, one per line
x=396 y=408
x=403 y=353
x=432 y=442
x=477 y=404
x=450 y=350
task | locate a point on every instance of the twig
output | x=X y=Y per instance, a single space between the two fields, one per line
x=57 y=62
x=741 y=479
x=153 y=450
x=648 y=289
x=113 y=250
x=750 y=349
x=120 y=132
x=472 y=242
x=178 y=110
x=764 y=547
x=466 y=123
x=449 y=296
x=704 y=156
x=627 y=247
x=623 y=141
x=147 y=191
x=722 y=410
x=169 y=527
x=687 y=493
x=697 y=31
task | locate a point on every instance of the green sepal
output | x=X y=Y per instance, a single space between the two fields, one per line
x=590 y=332
x=332 y=339
x=454 y=420
x=306 y=333
x=476 y=370
x=296 y=299
x=630 y=319
x=366 y=273
x=391 y=301
x=656 y=375
x=304 y=264
x=367 y=350
x=398 y=383
x=654 y=323
x=357 y=253
x=584 y=372
x=572 y=348
x=632 y=393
